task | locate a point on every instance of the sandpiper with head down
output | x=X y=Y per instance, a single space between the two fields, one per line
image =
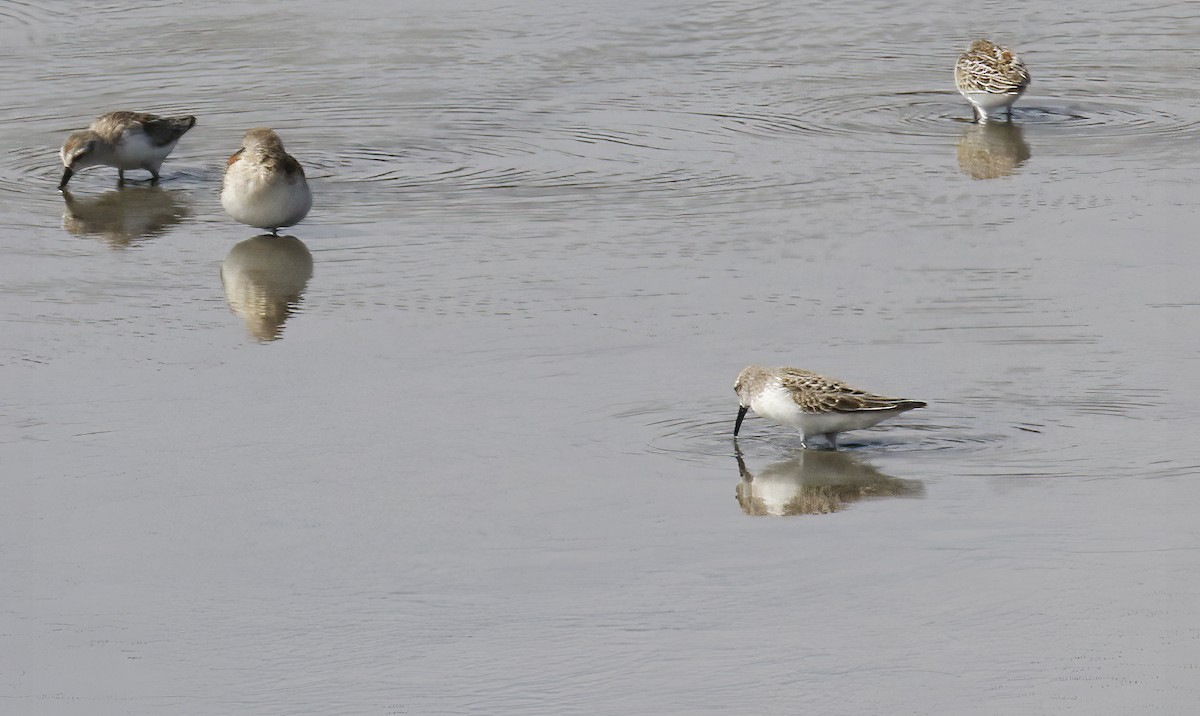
x=814 y=404
x=125 y=140
x=991 y=77
x=264 y=185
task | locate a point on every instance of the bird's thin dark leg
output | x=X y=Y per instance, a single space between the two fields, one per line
x=120 y=177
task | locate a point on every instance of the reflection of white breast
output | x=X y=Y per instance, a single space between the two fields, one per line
x=264 y=278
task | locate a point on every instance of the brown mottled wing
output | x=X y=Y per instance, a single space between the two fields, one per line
x=999 y=72
x=165 y=130
x=161 y=130
x=119 y=119
x=815 y=393
x=111 y=126
x=292 y=167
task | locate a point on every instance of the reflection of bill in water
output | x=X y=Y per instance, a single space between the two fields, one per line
x=264 y=278
x=122 y=216
x=816 y=482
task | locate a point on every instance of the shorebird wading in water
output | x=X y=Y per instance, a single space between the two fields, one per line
x=812 y=403
x=125 y=140
x=265 y=186
x=991 y=77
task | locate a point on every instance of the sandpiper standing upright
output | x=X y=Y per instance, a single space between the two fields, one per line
x=125 y=140
x=814 y=404
x=264 y=185
x=991 y=77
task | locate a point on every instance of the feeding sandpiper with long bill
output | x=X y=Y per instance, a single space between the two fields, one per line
x=991 y=77
x=812 y=403
x=264 y=186
x=124 y=140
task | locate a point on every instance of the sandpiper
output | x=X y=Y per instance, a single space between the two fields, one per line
x=814 y=404
x=264 y=186
x=991 y=77
x=125 y=140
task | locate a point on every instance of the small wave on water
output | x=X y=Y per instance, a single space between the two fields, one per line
x=934 y=114
x=957 y=444
x=30 y=21
x=698 y=436
x=912 y=114
x=31 y=169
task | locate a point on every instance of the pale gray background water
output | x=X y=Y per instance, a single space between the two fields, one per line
x=487 y=467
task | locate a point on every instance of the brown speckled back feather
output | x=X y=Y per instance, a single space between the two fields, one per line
x=815 y=393
x=988 y=67
x=161 y=130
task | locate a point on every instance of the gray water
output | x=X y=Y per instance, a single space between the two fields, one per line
x=463 y=444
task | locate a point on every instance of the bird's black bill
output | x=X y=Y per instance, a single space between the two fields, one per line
x=67 y=174
x=741 y=416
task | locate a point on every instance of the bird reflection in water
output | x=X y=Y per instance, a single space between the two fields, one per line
x=815 y=482
x=264 y=278
x=123 y=216
x=991 y=150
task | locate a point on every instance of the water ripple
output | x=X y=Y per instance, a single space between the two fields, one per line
x=933 y=114
x=695 y=436
x=27 y=15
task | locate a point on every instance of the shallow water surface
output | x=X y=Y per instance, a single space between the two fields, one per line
x=461 y=443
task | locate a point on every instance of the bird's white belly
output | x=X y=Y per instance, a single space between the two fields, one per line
x=265 y=202
x=826 y=423
x=776 y=403
x=991 y=101
x=136 y=151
